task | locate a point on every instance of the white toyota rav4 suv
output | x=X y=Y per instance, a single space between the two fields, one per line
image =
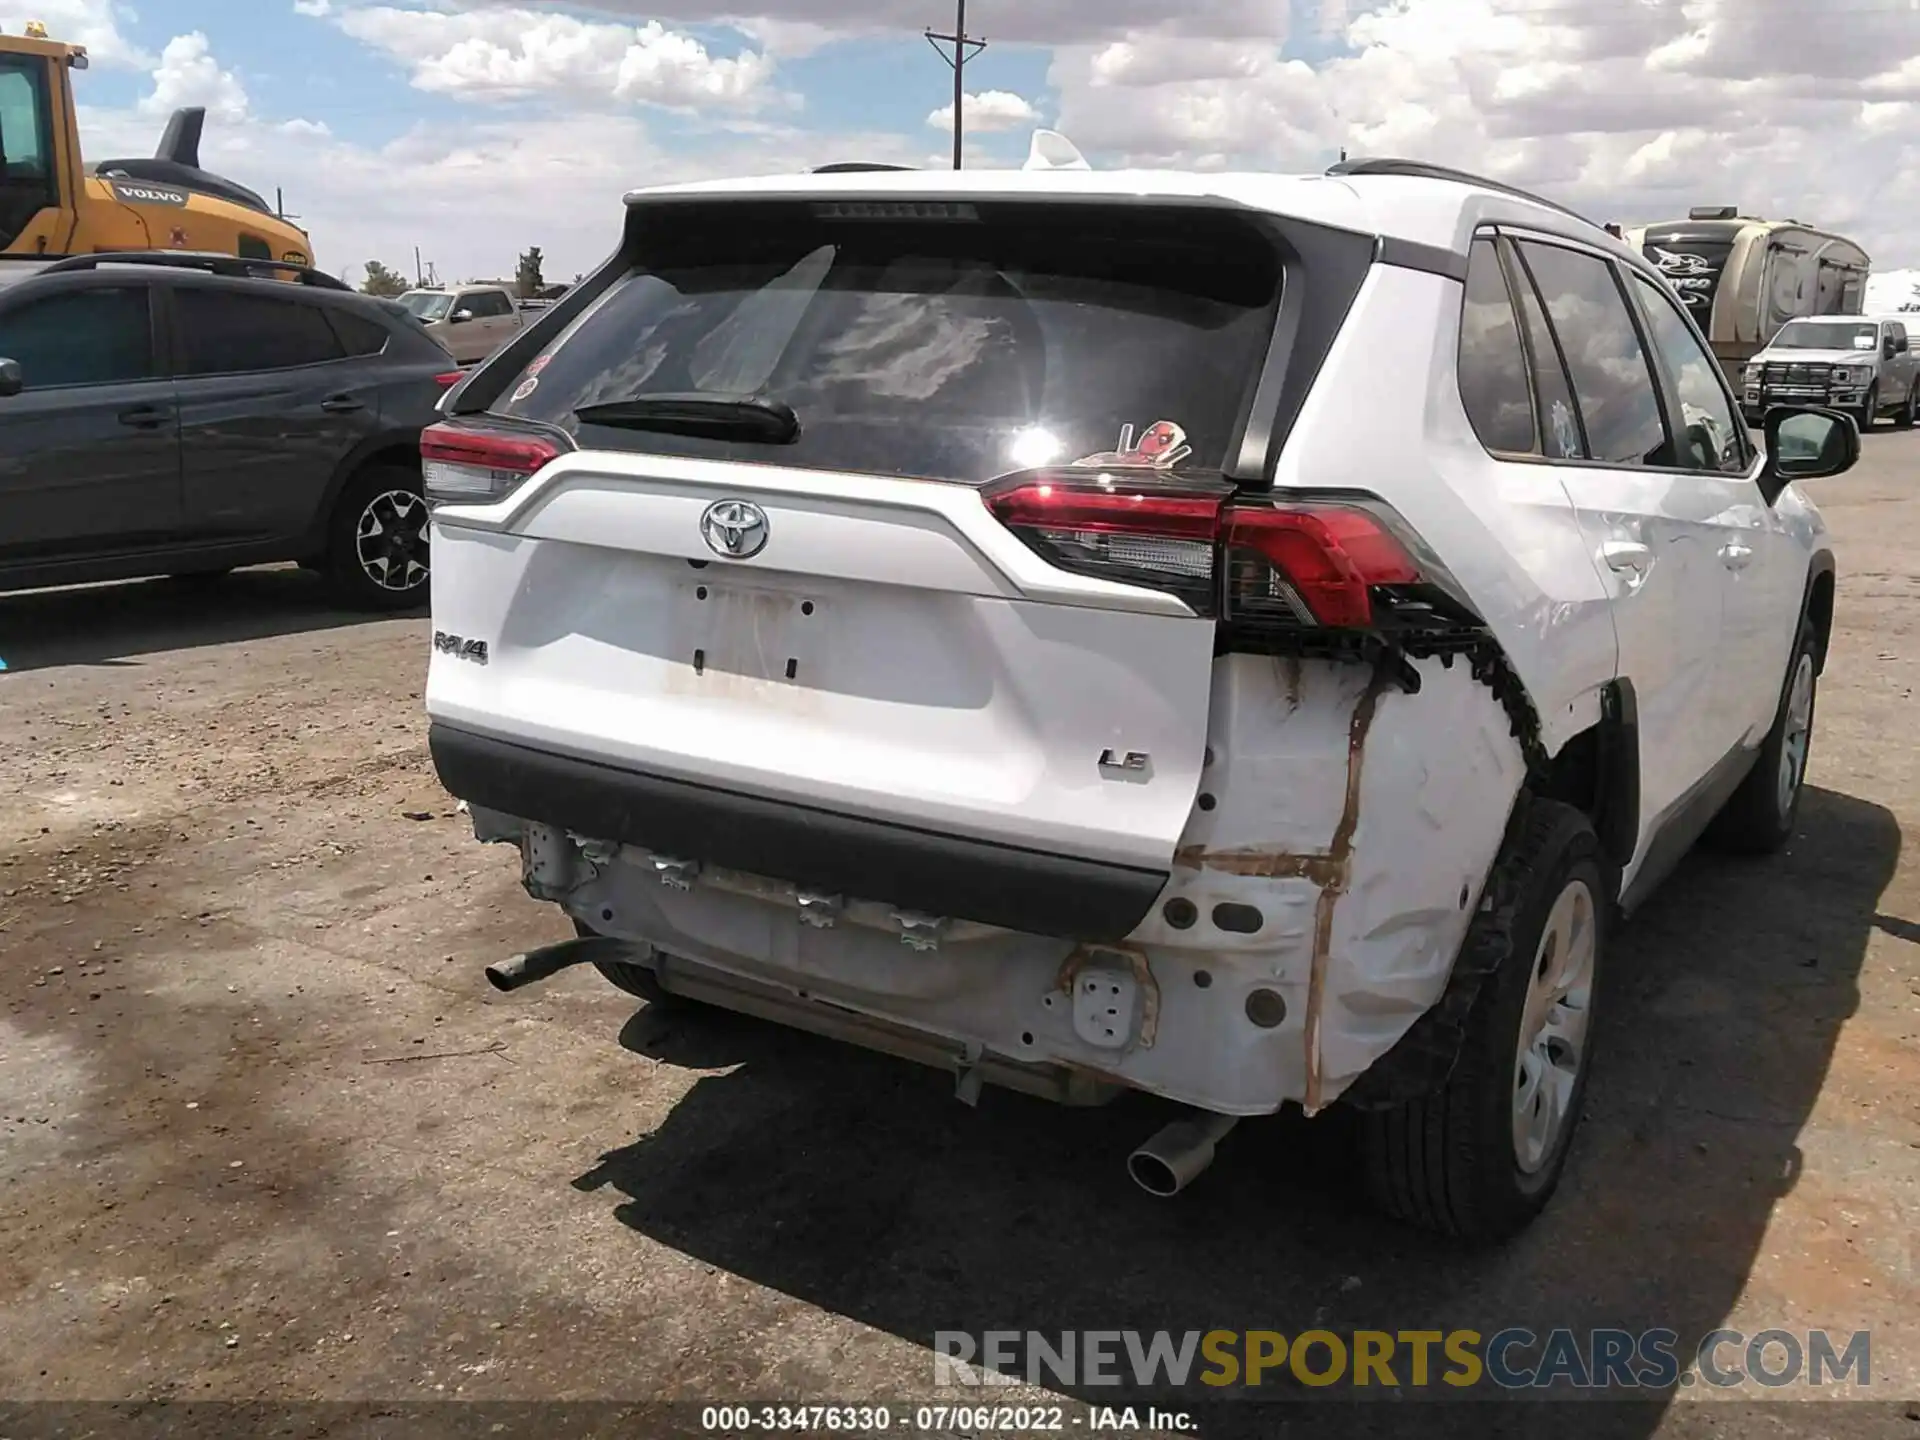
x=1239 y=637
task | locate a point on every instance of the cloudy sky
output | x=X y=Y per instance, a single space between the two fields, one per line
x=474 y=129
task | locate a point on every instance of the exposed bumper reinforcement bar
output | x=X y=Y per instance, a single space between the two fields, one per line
x=1059 y=1083
x=820 y=850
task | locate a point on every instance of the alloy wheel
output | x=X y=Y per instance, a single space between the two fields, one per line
x=390 y=540
x=1553 y=1028
x=1798 y=737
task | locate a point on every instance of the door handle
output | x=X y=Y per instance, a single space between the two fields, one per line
x=341 y=404
x=1735 y=556
x=145 y=417
x=1627 y=556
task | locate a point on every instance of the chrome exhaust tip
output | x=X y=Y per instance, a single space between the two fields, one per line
x=1170 y=1159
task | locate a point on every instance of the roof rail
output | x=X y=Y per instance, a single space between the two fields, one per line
x=856 y=167
x=235 y=266
x=1420 y=170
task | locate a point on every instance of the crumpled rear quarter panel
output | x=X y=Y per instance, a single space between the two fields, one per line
x=1360 y=822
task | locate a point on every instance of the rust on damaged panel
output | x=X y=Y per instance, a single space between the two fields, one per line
x=1118 y=957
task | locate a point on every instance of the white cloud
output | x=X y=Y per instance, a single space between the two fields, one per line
x=494 y=53
x=95 y=24
x=318 y=9
x=1629 y=109
x=189 y=75
x=987 y=111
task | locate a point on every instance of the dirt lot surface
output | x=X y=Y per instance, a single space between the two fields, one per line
x=266 y=1133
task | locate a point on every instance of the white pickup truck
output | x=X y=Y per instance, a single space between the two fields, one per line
x=472 y=321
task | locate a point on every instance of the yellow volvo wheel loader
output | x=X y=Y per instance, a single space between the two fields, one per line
x=52 y=206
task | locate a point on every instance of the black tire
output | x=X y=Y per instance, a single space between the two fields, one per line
x=635 y=980
x=1869 y=410
x=1909 y=412
x=1449 y=1161
x=377 y=556
x=1759 y=817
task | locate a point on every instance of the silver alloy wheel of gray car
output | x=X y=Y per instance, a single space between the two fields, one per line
x=390 y=540
x=1553 y=1027
x=1797 y=737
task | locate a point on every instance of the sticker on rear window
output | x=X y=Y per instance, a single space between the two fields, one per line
x=539 y=364
x=527 y=387
x=1160 y=446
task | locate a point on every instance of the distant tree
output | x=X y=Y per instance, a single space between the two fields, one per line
x=527 y=279
x=382 y=281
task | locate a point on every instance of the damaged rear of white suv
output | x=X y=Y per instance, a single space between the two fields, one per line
x=1244 y=639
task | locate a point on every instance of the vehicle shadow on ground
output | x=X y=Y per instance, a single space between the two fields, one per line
x=112 y=624
x=858 y=1185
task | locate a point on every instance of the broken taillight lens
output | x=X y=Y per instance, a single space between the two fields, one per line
x=472 y=465
x=1306 y=564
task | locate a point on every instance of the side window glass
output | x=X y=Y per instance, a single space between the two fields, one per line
x=26 y=167
x=1493 y=367
x=1611 y=377
x=85 y=337
x=360 y=334
x=227 y=332
x=1560 y=433
x=1710 y=432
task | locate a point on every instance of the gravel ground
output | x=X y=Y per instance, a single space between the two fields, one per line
x=265 y=1133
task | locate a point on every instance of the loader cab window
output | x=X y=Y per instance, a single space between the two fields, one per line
x=26 y=145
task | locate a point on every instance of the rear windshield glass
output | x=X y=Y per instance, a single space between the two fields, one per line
x=961 y=344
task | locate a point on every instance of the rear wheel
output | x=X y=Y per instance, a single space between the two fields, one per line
x=1760 y=816
x=377 y=555
x=1479 y=1157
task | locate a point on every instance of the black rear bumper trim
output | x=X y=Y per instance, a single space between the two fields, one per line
x=1027 y=890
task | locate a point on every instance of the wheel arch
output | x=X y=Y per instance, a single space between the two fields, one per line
x=1817 y=606
x=389 y=447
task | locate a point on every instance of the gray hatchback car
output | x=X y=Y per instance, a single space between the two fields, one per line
x=168 y=414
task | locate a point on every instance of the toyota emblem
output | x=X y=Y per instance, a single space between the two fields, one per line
x=736 y=529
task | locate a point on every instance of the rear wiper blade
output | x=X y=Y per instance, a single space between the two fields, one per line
x=709 y=415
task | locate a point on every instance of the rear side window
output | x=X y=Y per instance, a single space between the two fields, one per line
x=486 y=304
x=360 y=334
x=225 y=332
x=100 y=336
x=1493 y=366
x=958 y=343
x=1609 y=369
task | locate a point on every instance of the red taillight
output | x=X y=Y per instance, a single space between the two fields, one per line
x=450 y=379
x=1329 y=556
x=1312 y=564
x=1120 y=528
x=474 y=466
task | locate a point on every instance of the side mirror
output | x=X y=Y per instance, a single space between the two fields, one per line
x=460 y=317
x=11 y=380
x=1804 y=443
x=1889 y=348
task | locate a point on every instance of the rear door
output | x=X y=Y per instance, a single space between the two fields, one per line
x=841 y=621
x=270 y=406
x=90 y=448
x=1651 y=532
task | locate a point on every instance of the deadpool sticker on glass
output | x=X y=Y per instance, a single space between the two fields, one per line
x=1161 y=446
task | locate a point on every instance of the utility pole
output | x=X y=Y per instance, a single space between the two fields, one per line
x=280 y=204
x=964 y=49
x=419 y=276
